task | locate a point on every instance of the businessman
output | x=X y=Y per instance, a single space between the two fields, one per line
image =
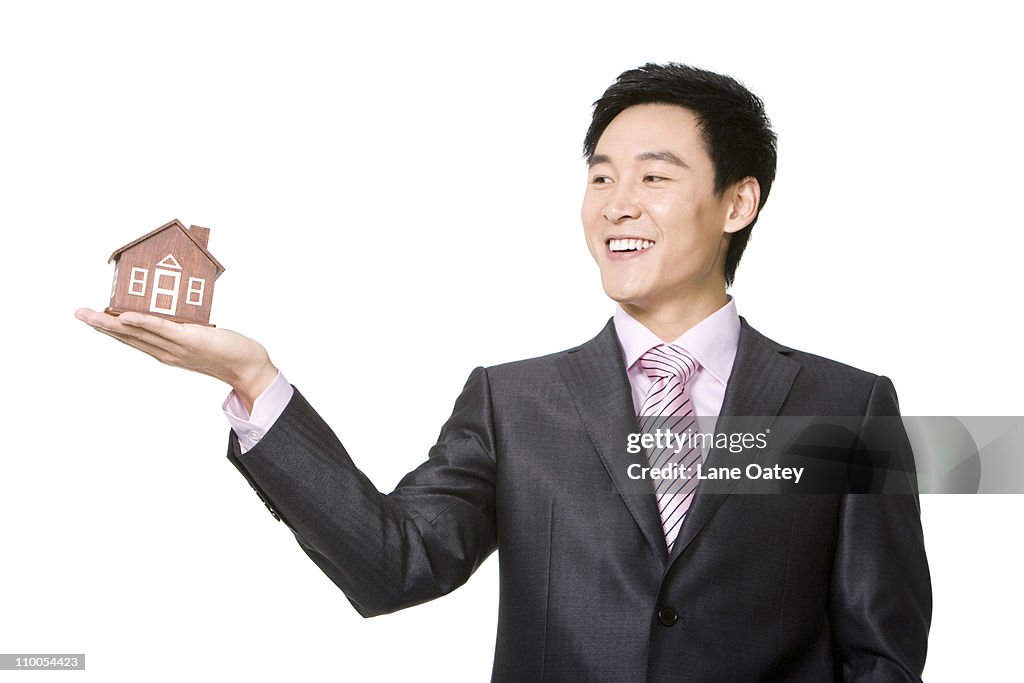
x=601 y=580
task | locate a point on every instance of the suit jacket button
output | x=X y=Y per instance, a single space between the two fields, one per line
x=668 y=616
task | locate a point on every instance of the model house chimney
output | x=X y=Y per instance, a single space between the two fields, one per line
x=201 y=234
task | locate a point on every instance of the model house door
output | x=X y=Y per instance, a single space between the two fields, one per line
x=165 y=291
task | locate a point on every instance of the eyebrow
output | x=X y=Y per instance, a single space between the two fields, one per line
x=665 y=156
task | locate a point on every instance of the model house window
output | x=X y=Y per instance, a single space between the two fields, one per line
x=196 y=285
x=137 y=286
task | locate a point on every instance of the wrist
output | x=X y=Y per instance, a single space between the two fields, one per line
x=250 y=384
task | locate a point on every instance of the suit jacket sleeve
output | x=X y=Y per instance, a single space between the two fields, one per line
x=881 y=589
x=385 y=552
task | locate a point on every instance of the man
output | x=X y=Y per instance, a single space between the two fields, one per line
x=601 y=581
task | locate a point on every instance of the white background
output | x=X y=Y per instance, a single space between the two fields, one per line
x=406 y=180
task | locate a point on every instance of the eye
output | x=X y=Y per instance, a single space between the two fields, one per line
x=600 y=180
x=654 y=178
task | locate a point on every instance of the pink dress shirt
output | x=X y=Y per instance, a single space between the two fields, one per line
x=712 y=341
x=265 y=411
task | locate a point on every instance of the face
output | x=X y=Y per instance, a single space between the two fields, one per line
x=650 y=214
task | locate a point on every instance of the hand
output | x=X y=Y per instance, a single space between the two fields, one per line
x=228 y=356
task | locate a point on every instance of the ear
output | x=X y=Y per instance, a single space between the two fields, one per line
x=742 y=207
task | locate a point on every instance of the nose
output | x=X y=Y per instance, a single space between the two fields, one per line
x=620 y=205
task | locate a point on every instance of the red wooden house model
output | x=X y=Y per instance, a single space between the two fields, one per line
x=167 y=272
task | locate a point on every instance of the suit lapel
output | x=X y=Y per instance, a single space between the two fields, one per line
x=596 y=378
x=758 y=385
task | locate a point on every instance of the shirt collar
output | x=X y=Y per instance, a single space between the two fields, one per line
x=713 y=341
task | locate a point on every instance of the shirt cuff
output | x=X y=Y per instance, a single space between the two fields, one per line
x=265 y=411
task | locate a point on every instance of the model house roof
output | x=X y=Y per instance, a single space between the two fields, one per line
x=195 y=237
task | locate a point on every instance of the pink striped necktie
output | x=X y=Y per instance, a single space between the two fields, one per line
x=668 y=406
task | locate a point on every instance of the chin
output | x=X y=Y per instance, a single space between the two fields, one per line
x=624 y=287
x=621 y=294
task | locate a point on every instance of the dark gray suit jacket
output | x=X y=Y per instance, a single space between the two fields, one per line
x=758 y=587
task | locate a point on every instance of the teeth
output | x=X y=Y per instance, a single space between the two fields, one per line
x=629 y=245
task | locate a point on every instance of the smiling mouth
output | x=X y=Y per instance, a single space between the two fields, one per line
x=626 y=246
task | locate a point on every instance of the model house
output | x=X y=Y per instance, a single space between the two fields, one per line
x=168 y=272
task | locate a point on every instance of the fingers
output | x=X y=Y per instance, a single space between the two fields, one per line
x=136 y=326
x=156 y=352
x=167 y=329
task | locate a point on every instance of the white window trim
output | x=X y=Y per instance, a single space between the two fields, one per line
x=135 y=280
x=193 y=289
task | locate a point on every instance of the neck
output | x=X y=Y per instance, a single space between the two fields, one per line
x=672 y=319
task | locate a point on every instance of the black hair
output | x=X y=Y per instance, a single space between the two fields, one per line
x=734 y=128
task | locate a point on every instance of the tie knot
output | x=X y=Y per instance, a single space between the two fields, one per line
x=669 y=360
